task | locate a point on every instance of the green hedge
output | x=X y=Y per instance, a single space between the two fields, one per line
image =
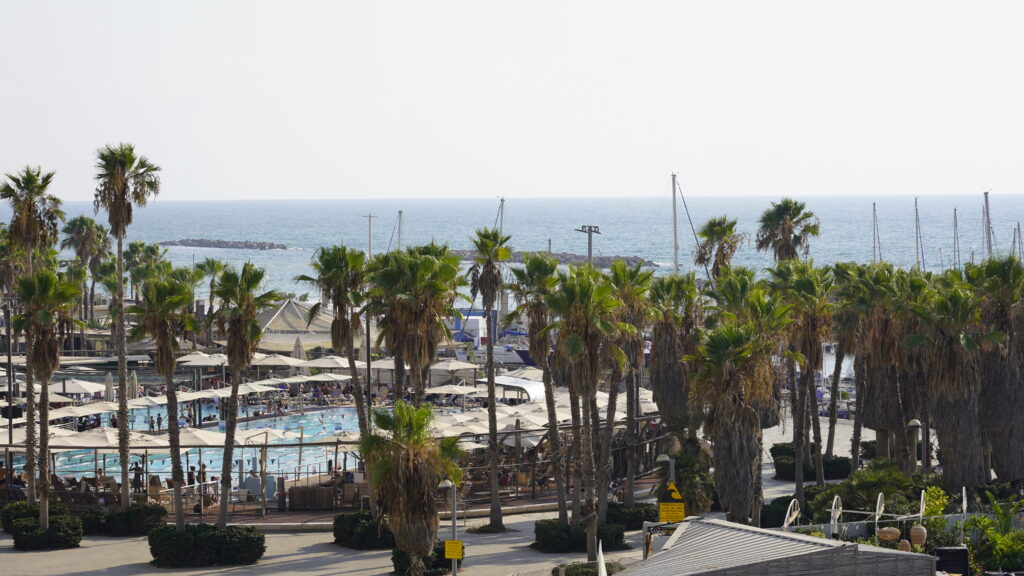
x=64 y=532
x=551 y=536
x=138 y=520
x=582 y=569
x=205 y=545
x=632 y=517
x=435 y=564
x=361 y=531
x=22 y=509
x=836 y=468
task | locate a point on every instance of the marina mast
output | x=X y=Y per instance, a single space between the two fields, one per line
x=988 y=227
x=917 y=236
x=675 y=229
x=956 y=242
x=876 y=240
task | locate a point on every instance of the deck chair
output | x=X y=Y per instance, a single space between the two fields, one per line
x=241 y=497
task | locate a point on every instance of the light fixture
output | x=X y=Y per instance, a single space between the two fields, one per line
x=445 y=484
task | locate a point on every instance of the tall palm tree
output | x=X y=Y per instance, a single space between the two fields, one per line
x=405 y=464
x=677 y=311
x=786 y=229
x=807 y=290
x=719 y=242
x=341 y=277
x=530 y=286
x=239 y=309
x=48 y=302
x=585 y=308
x=632 y=287
x=845 y=321
x=96 y=258
x=162 y=312
x=486 y=281
x=211 y=268
x=81 y=235
x=124 y=180
x=35 y=217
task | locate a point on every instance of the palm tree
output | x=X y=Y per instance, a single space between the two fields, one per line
x=719 y=242
x=341 y=277
x=81 y=235
x=96 y=259
x=533 y=282
x=212 y=269
x=486 y=281
x=1000 y=284
x=807 y=291
x=48 y=302
x=786 y=228
x=162 y=312
x=632 y=286
x=35 y=217
x=586 y=308
x=677 y=312
x=240 y=305
x=845 y=320
x=405 y=465
x=123 y=180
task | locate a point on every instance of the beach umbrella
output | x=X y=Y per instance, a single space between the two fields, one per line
x=332 y=363
x=327 y=377
x=278 y=361
x=19 y=434
x=470 y=445
x=149 y=401
x=530 y=373
x=133 y=386
x=108 y=390
x=197 y=437
x=83 y=410
x=76 y=386
x=197 y=355
x=106 y=437
x=258 y=435
x=449 y=389
x=209 y=361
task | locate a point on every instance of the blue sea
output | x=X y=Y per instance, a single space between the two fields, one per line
x=629 y=227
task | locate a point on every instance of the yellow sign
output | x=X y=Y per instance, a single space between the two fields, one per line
x=673 y=493
x=671 y=512
x=453 y=549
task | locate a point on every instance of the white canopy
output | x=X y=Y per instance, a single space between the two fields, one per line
x=209 y=361
x=83 y=410
x=76 y=386
x=105 y=437
x=278 y=360
x=147 y=401
x=452 y=365
x=529 y=373
x=533 y=390
x=198 y=437
x=450 y=389
x=258 y=435
x=331 y=363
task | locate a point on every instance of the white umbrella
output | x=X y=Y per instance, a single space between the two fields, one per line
x=133 y=386
x=75 y=386
x=530 y=373
x=451 y=365
x=257 y=435
x=345 y=437
x=197 y=355
x=332 y=363
x=148 y=401
x=83 y=410
x=198 y=437
x=210 y=361
x=278 y=361
x=106 y=437
x=470 y=445
x=19 y=434
x=327 y=377
x=108 y=390
x=449 y=389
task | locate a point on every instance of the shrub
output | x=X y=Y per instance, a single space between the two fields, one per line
x=137 y=520
x=582 y=569
x=632 y=517
x=837 y=467
x=773 y=514
x=93 y=521
x=434 y=565
x=205 y=545
x=361 y=531
x=23 y=509
x=551 y=536
x=868 y=449
x=64 y=532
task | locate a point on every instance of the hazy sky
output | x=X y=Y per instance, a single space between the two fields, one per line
x=338 y=99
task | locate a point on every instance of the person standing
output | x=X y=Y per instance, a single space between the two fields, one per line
x=159 y=422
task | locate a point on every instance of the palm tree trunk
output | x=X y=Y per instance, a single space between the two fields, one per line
x=91 y=303
x=44 y=453
x=30 y=430
x=229 y=446
x=492 y=430
x=122 y=379
x=812 y=411
x=576 y=456
x=833 y=400
x=629 y=444
x=858 y=420
x=177 y=472
x=799 y=423
x=587 y=452
x=362 y=410
x=554 y=440
x=603 y=473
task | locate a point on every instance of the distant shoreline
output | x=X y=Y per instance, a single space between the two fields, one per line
x=231 y=244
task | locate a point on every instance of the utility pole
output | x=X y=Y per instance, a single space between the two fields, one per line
x=675 y=229
x=369 y=235
x=589 y=231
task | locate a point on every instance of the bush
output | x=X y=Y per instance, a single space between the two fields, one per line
x=93 y=521
x=836 y=468
x=434 y=565
x=137 y=520
x=632 y=517
x=361 y=531
x=582 y=569
x=773 y=514
x=64 y=532
x=205 y=545
x=551 y=536
x=868 y=449
x=23 y=509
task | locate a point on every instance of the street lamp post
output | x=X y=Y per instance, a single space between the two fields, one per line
x=447 y=484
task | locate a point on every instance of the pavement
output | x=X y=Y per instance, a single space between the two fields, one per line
x=315 y=554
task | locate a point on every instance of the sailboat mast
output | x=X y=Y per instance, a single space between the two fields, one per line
x=876 y=238
x=399 y=230
x=956 y=243
x=501 y=215
x=988 y=227
x=916 y=235
x=675 y=229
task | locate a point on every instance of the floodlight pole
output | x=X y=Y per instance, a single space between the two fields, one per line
x=589 y=231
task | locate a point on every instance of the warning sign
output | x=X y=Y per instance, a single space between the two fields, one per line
x=453 y=549
x=671 y=512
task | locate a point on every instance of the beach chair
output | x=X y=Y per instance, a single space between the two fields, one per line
x=241 y=497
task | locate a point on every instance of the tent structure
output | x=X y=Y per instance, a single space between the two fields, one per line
x=282 y=324
x=711 y=547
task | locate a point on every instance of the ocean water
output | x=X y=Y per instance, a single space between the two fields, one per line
x=629 y=227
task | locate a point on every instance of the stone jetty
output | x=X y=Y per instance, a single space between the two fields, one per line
x=232 y=244
x=569 y=258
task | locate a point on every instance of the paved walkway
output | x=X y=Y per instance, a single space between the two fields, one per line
x=308 y=554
